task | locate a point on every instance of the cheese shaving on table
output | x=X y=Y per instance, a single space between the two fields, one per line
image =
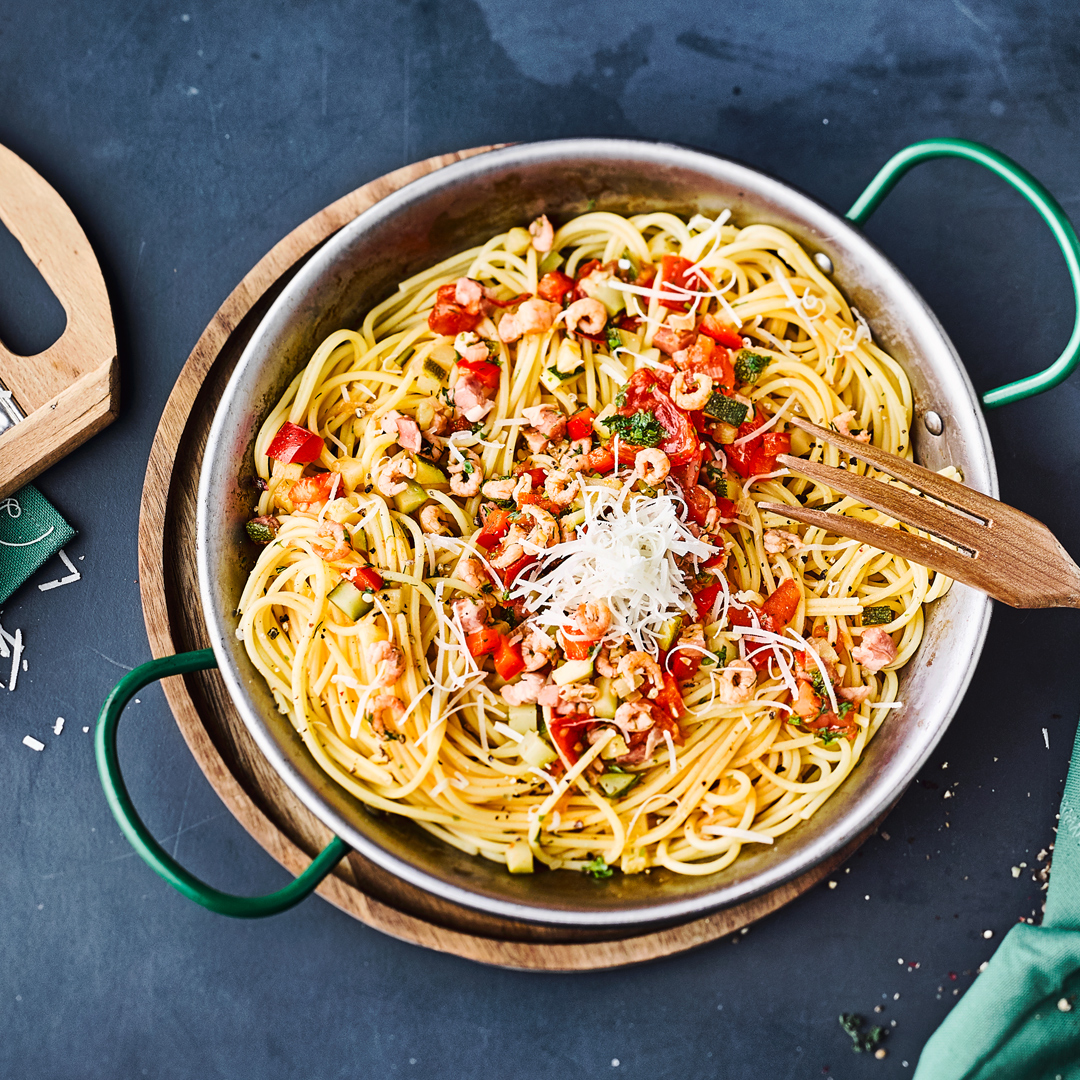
x=625 y=552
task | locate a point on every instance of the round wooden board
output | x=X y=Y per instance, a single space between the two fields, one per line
x=214 y=732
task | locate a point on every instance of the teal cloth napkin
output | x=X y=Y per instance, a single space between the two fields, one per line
x=1021 y=1018
x=31 y=532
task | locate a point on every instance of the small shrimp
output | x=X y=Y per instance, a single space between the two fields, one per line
x=524 y=691
x=388 y=660
x=777 y=541
x=392 y=476
x=470 y=348
x=634 y=716
x=560 y=487
x=472 y=397
x=340 y=546
x=652 y=467
x=535 y=316
x=691 y=389
x=471 y=572
x=468 y=294
x=842 y=422
x=470 y=614
x=587 y=316
x=855 y=694
x=547 y=419
x=433 y=520
x=634 y=662
x=545 y=531
x=737 y=682
x=542 y=233
x=607 y=659
x=593 y=619
x=537 y=441
x=466 y=475
x=510 y=550
x=537 y=649
x=578 y=694
x=876 y=650
x=692 y=636
x=384 y=703
x=502 y=490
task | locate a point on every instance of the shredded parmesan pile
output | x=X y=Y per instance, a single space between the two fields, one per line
x=625 y=555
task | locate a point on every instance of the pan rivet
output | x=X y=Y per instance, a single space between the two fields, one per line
x=824 y=262
x=934 y=424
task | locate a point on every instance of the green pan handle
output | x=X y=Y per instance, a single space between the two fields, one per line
x=153 y=854
x=1035 y=194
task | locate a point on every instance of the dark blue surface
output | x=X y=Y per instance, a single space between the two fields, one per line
x=188 y=138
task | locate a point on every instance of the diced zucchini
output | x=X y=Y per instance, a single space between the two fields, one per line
x=428 y=474
x=411 y=499
x=573 y=671
x=749 y=365
x=615 y=784
x=260 y=532
x=668 y=632
x=427 y=384
x=568 y=359
x=349 y=599
x=599 y=289
x=523 y=718
x=353 y=472
x=519 y=856
x=535 y=751
x=517 y=241
x=607 y=703
x=615 y=748
x=436 y=371
x=875 y=616
x=551 y=261
x=726 y=410
x=573 y=519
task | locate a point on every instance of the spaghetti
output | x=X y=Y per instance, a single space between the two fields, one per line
x=515 y=583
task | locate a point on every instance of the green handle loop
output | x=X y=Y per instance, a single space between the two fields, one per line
x=1037 y=195
x=152 y=853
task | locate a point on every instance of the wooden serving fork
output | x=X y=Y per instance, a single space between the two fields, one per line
x=994 y=547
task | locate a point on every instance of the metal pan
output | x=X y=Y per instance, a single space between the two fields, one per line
x=463 y=205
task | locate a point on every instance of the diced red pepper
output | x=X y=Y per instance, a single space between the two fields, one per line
x=510 y=574
x=763 y=459
x=782 y=603
x=448 y=317
x=568 y=734
x=554 y=286
x=601 y=459
x=496 y=526
x=574 y=646
x=537 y=498
x=673 y=270
x=293 y=443
x=537 y=476
x=727 y=507
x=718 y=332
x=508 y=659
x=580 y=425
x=484 y=372
x=364 y=577
x=704 y=599
x=669 y=698
x=684 y=665
x=699 y=502
x=483 y=641
x=708 y=358
x=630 y=323
x=740 y=456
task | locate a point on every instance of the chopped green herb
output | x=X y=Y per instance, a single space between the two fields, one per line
x=614 y=341
x=843 y=709
x=599 y=868
x=641 y=429
x=714 y=478
x=591 y=204
x=620 y=398
x=260 y=531
x=818 y=683
x=872 y=616
x=863 y=1042
x=726 y=410
x=749 y=365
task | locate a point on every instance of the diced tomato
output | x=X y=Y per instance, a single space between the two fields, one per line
x=293 y=443
x=699 y=501
x=364 y=577
x=718 y=332
x=601 y=459
x=669 y=698
x=727 y=507
x=673 y=270
x=484 y=372
x=536 y=498
x=310 y=491
x=763 y=459
x=537 y=476
x=574 y=646
x=630 y=323
x=585 y=269
x=448 y=317
x=508 y=659
x=580 y=425
x=708 y=358
x=483 y=641
x=783 y=602
x=554 y=286
x=568 y=734
x=684 y=664
x=510 y=574
x=740 y=456
x=495 y=528
x=704 y=599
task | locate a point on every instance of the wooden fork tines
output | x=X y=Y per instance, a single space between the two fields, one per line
x=994 y=547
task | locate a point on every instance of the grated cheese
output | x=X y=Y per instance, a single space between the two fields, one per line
x=34 y=744
x=625 y=552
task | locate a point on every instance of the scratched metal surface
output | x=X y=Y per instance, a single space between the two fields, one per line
x=188 y=138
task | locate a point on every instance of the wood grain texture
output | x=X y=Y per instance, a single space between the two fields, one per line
x=71 y=390
x=248 y=786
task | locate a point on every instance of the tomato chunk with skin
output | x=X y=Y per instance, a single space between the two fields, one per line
x=673 y=271
x=580 y=425
x=719 y=333
x=483 y=641
x=680 y=442
x=495 y=528
x=484 y=372
x=554 y=286
x=508 y=659
x=364 y=577
x=705 y=599
x=448 y=317
x=293 y=443
x=783 y=602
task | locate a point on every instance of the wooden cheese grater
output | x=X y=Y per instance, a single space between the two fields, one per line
x=53 y=402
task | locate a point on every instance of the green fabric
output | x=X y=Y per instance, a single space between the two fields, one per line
x=31 y=532
x=1008 y=1025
